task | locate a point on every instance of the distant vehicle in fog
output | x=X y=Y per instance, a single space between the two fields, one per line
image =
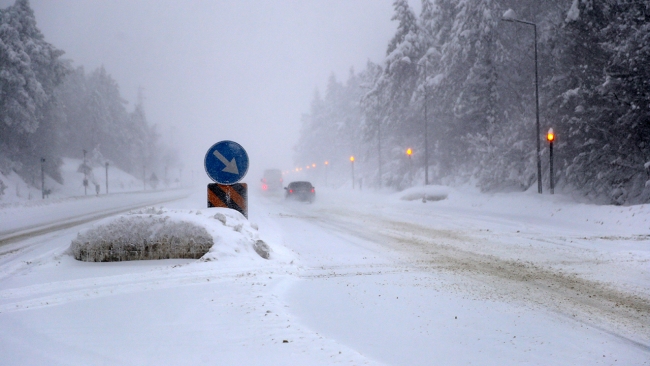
x=300 y=191
x=272 y=180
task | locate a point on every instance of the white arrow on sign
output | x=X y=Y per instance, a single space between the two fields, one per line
x=231 y=166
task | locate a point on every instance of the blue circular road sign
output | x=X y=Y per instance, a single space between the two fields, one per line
x=226 y=162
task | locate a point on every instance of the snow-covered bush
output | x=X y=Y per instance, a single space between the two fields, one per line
x=157 y=233
x=139 y=237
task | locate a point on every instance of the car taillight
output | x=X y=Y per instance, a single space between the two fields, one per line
x=264 y=187
x=312 y=190
x=291 y=191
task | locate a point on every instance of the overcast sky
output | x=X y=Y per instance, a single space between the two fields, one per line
x=215 y=70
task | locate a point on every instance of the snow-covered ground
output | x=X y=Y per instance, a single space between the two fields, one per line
x=358 y=278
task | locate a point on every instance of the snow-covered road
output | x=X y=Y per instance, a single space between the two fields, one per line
x=21 y=220
x=564 y=276
x=355 y=278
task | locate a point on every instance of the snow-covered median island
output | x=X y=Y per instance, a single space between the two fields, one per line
x=209 y=234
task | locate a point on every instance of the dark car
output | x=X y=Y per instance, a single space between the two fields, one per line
x=300 y=191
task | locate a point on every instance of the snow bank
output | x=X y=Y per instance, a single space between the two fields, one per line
x=425 y=193
x=152 y=233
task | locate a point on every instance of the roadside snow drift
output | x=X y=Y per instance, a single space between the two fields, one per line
x=425 y=193
x=166 y=234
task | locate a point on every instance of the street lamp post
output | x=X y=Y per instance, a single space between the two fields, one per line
x=43 y=177
x=107 y=177
x=511 y=16
x=326 y=164
x=550 y=136
x=409 y=152
x=352 y=161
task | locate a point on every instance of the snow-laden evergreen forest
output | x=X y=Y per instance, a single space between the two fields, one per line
x=51 y=109
x=473 y=76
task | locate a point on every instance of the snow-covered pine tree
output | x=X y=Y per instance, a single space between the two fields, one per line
x=314 y=134
x=373 y=120
x=431 y=32
x=22 y=93
x=470 y=70
x=436 y=21
x=597 y=102
x=31 y=69
x=626 y=87
x=593 y=78
x=395 y=88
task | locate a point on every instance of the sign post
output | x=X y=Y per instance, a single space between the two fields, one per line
x=226 y=163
